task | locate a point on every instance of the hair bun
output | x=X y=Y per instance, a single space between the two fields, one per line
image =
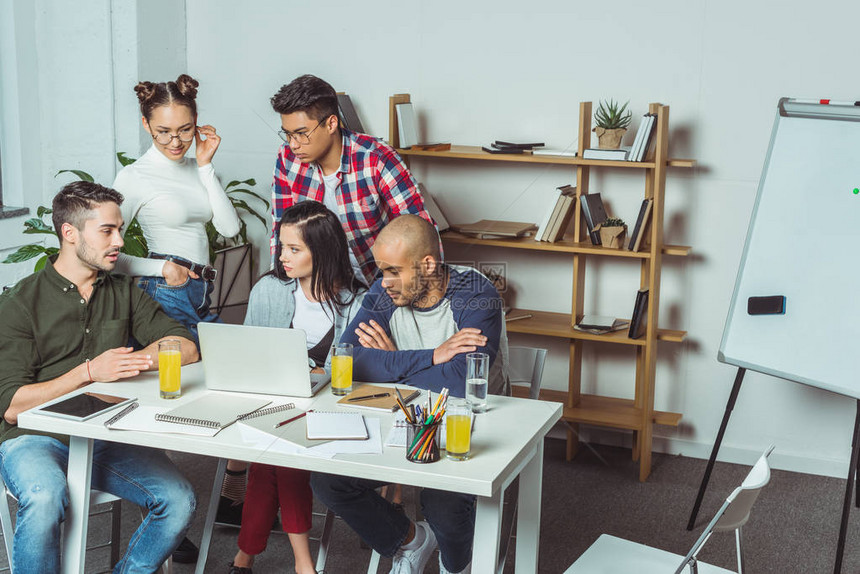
x=187 y=86
x=144 y=91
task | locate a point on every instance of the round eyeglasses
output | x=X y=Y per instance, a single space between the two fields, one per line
x=185 y=135
x=301 y=138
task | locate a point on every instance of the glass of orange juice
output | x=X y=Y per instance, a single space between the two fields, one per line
x=341 y=369
x=169 y=363
x=458 y=432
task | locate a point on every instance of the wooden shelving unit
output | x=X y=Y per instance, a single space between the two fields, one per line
x=637 y=414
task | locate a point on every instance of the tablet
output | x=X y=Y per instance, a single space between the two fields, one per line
x=83 y=406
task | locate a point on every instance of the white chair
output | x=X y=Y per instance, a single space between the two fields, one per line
x=611 y=555
x=97 y=498
x=525 y=367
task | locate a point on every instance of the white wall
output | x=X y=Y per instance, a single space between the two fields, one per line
x=68 y=73
x=485 y=70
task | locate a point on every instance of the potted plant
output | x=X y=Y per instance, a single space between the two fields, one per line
x=612 y=232
x=612 y=122
x=135 y=243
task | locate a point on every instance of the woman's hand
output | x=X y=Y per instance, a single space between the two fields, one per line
x=206 y=148
x=176 y=274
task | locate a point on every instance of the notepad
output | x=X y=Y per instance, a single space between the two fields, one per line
x=213 y=410
x=387 y=403
x=336 y=425
x=264 y=424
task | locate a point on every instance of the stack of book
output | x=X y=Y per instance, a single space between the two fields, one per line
x=619 y=154
x=499 y=146
x=600 y=325
x=643 y=139
x=492 y=229
x=556 y=218
x=594 y=214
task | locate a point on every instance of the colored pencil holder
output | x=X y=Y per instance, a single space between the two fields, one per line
x=422 y=442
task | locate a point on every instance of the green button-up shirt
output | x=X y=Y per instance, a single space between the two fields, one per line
x=47 y=329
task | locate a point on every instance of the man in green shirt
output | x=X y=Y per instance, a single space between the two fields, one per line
x=63 y=328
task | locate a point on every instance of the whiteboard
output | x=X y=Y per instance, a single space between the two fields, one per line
x=803 y=243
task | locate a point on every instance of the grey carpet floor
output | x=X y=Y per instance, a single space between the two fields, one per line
x=793 y=528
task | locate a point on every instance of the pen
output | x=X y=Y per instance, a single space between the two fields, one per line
x=122 y=413
x=367 y=397
x=288 y=421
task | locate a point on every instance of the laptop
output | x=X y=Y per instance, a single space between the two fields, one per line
x=246 y=359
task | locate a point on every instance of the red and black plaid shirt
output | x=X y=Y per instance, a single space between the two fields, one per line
x=375 y=187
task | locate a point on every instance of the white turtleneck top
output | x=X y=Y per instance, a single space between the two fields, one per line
x=172 y=201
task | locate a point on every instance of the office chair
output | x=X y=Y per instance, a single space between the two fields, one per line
x=611 y=555
x=97 y=498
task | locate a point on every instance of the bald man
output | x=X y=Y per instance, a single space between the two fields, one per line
x=421 y=318
x=415 y=326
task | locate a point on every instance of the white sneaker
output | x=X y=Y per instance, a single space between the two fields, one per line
x=443 y=570
x=414 y=561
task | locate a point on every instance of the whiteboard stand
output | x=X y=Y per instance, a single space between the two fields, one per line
x=813 y=148
x=853 y=477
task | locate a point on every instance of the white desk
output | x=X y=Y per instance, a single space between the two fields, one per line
x=507 y=442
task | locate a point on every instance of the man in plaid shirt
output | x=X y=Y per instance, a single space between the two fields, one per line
x=355 y=175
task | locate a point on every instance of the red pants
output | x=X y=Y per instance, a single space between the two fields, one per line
x=268 y=488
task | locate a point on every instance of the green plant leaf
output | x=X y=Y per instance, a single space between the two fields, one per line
x=40 y=264
x=42 y=211
x=26 y=252
x=36 y=225
x=241 y=204
x=252 y=182
x=123 y=159
x=84 y=176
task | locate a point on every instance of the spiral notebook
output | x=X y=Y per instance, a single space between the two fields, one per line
x=214 y=410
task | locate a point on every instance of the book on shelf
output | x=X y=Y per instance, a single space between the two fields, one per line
x=433 y=208
x=493 y=229
x=594 y=214
x=641 y=225
x=508 y=150
x=637 y=141
x=566 y=210
x=407 y=127
x=547 y=216
x=499 y=144
x=348 y=115
x=639 y=320
x=434 y=146
x=600 y=324
x=560 y=209
x=647 y=133
x=619 y=154
x=558 y=152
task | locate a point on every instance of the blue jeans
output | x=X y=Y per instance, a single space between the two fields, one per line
x=451 y=515
x=187 y=303
x=34 y=469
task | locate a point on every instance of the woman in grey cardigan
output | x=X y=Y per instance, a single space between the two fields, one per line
x=312 y=287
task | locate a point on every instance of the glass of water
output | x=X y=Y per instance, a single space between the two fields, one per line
x=477 y=373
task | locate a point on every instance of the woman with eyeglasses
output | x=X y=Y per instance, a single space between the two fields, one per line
x=173 y=197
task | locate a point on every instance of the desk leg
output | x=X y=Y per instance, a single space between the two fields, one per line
x=488 y=528
x=79 y=476
x=209 y=523
x=528 y=513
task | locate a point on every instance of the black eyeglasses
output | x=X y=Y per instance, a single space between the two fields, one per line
x=185 y=135
x=300 y=138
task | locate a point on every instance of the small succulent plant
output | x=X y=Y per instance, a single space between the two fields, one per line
x=610 y=115
x=613 y=222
